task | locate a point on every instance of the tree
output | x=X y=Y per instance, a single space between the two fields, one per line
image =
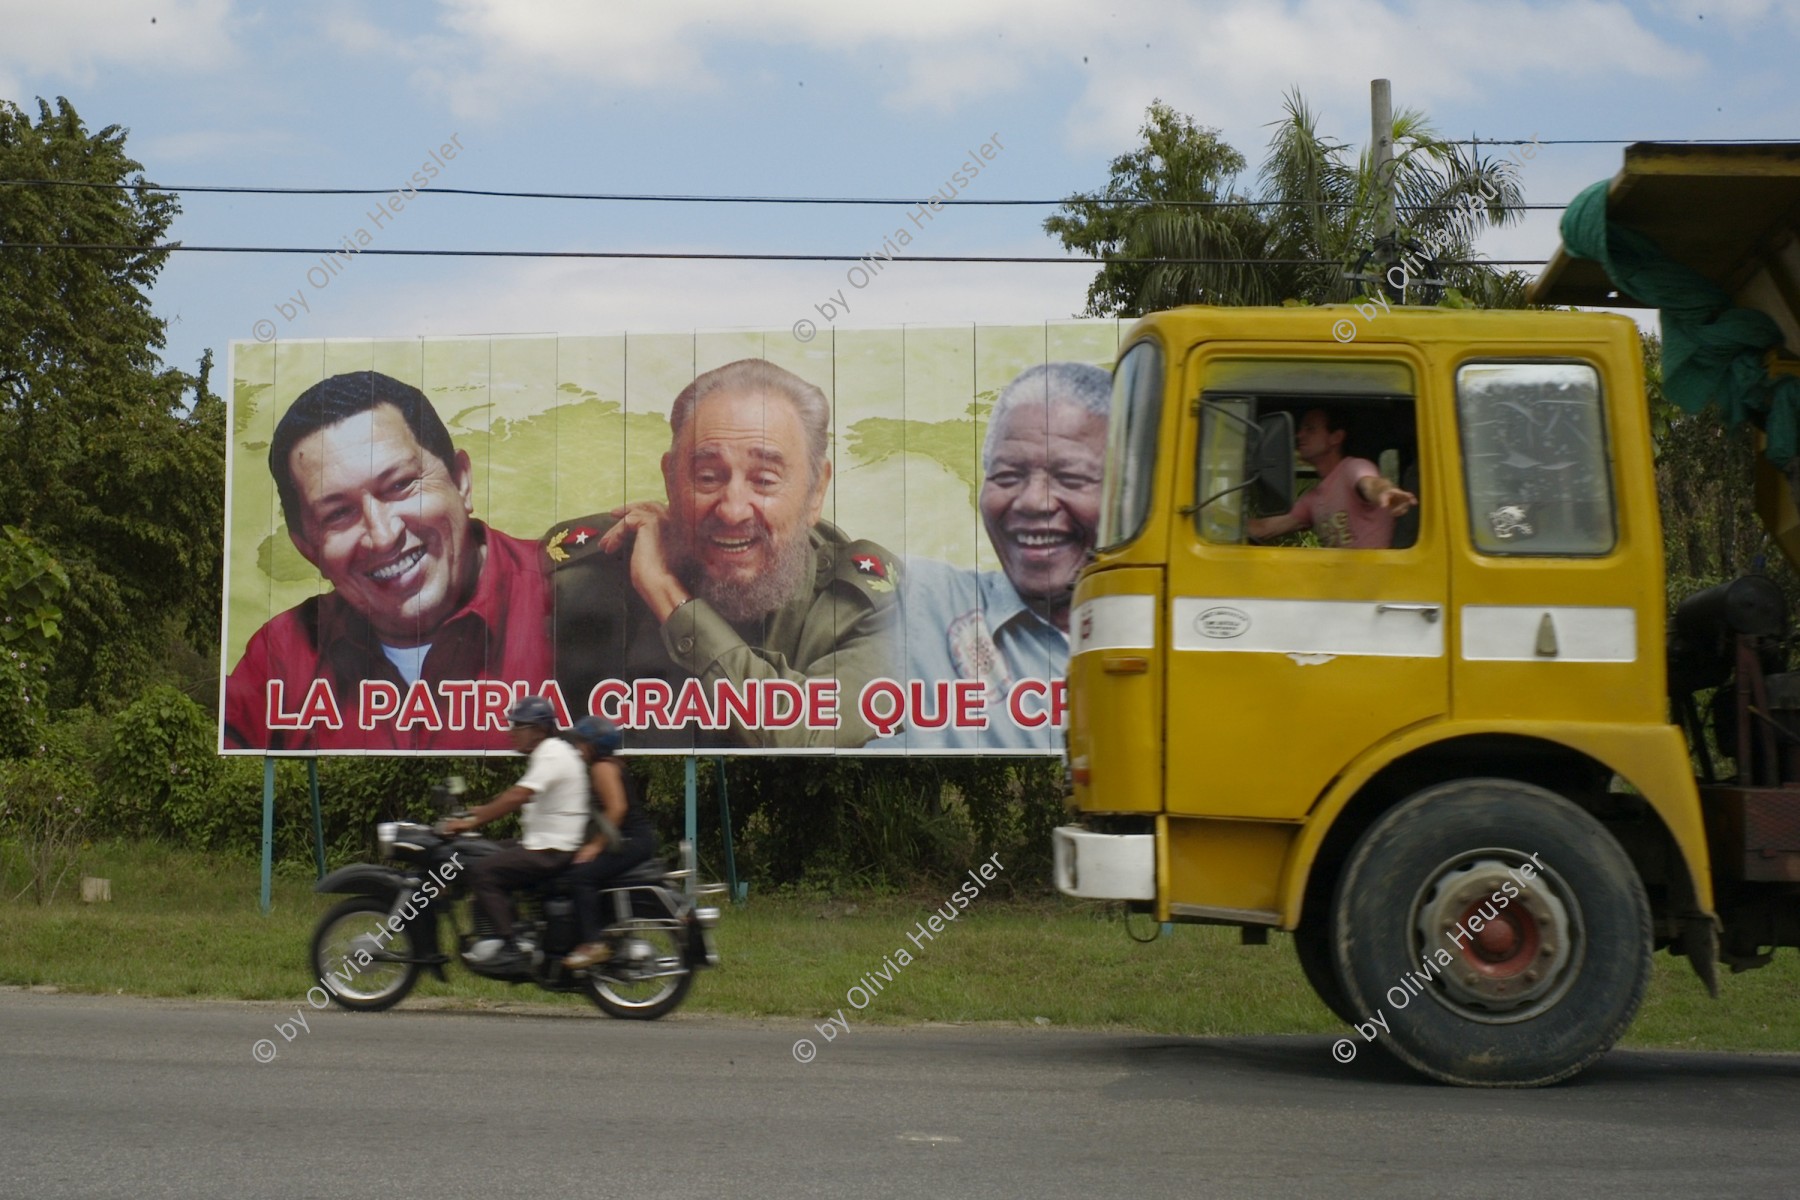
x=1179 y=161
x=109 y=466
x=32 y=587
x=1311 y=217
x=1705 y=484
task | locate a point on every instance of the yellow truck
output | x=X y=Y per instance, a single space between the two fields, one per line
x=1440 y=748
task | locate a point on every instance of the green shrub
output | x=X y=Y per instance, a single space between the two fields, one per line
x=826 y=825
x=158 y=771
x=46 y=808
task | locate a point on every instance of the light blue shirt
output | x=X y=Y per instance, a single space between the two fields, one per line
x=408 y=660
x=965 y=624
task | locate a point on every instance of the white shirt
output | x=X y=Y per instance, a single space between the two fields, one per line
x=408 y=660
x=556 y=816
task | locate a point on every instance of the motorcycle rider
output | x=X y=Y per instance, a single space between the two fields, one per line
x=610 y=853
x=551 y=799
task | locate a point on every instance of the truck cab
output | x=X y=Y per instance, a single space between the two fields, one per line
x=1453 y=750
x=1481 y=683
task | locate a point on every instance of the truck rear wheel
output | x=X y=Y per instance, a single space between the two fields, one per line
x=1491 y=933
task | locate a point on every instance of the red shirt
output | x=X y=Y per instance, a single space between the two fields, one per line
x=315 y=677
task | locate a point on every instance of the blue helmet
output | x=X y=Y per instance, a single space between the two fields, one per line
x=599 y=733
x=533 y=710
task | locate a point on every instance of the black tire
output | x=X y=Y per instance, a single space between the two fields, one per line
x=350 y=925
x=1312 y=945
x=614 y=987
x=1554 y=974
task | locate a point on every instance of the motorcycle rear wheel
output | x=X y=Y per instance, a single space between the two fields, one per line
x=350 y=926
x=619 y=986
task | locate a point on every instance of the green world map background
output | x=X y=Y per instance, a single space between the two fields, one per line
x=559 y=427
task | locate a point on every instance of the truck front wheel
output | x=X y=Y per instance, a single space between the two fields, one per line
x=1491 y=933
x=1312 y=944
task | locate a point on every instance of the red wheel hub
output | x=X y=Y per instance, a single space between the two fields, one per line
x=1503 y=947
x=1505 y=938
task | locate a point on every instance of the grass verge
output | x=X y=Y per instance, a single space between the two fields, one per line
x=186 y=924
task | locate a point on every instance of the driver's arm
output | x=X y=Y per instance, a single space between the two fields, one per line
x=1385 y=493
x=1264 y=528
x=511 y=800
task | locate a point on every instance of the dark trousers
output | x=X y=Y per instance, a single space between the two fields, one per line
x=586 y=880
x=491 y=878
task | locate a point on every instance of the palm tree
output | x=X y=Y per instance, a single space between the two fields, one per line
x=1311 y=219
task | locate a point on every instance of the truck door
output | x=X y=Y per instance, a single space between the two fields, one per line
x=1288 y=660
x=1558 y=593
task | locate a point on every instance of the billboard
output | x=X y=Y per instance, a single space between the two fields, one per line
x=730 y=542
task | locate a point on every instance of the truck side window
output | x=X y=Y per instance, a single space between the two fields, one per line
x=1227 y=435
x=1351 y=429
x=1534 y=458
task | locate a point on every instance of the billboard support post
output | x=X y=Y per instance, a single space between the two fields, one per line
x=738 y=891
x=312 y=786
x=688 y=772
x=268 y=841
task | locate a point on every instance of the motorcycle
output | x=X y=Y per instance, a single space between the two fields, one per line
x=369 y=950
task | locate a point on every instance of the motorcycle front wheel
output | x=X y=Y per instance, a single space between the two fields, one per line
x=648 y=975
x=349 y=931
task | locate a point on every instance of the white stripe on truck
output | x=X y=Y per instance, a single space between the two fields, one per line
x=1113 y=623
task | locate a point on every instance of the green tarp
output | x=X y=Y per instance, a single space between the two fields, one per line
x=1712 y=350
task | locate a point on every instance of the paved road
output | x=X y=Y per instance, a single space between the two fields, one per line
x=103 y=1097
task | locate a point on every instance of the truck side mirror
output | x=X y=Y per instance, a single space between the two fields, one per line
x=1272 y=462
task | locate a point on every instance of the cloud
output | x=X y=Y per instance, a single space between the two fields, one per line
x=1740 y=17
x=1218 y=59
x=948 y=51
x=49 y=43
x=212 y=145
x=604 y=296
x=348 y=30
x=1222 y=63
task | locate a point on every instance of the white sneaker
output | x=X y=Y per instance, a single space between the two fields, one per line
x=483 y=950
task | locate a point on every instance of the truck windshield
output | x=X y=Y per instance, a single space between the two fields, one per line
x=1131 y=444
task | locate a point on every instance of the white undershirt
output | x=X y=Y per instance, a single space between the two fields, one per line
x=408 y=660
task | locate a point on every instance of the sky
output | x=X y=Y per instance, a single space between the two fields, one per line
x=798 y=98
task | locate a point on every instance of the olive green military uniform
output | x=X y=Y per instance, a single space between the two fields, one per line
x=845 y=625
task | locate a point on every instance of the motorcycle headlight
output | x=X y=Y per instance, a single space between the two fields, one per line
x=384 y=837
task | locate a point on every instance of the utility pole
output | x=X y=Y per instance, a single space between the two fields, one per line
x=1381 y=146
x=1398 y=270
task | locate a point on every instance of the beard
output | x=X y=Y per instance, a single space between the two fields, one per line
x=790 y=568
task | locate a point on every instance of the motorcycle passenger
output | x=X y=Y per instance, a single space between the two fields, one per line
x=609 y=853
x=551 y=799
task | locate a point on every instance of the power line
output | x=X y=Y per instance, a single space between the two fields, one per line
x=705 y=256
x=1609 y=141
x=675 y=198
